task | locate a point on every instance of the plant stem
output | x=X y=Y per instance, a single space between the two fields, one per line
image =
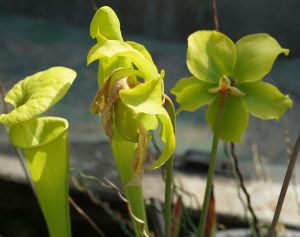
x=123 y=153
x=285 y=186
x=212 y=164
x=169 y=173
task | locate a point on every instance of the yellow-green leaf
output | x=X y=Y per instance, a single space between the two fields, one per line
x=255 y=56
x=264 y=100
x=37 y=93
x=45 y=144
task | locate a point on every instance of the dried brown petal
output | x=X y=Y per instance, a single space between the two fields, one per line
x=107 y=117
x=100 y=102
x=139 y=158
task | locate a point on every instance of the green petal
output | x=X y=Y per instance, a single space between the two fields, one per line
x=35 y=94
x=255 y=57
x=234 y=120
x=210 y=55
x=168 y=136
x=127 y=121
x=191 y=93
x=145 y=97
x=124 y=72
x=108 y=65
x=141 y=49
x=105 y=25
x=264 y=100
x=112 y=48
x=45 y=144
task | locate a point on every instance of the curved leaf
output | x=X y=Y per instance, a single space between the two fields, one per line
x=255 y=56
x=191 y=93
x=168 y=136
x=105 y=25
x=234 y=120
x=112 y=48
x=45 y=144
x=35 y=94
x=264 y=100
x=210 y=55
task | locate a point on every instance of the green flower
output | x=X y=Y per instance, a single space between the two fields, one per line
x=128 y=107
x=217 y=65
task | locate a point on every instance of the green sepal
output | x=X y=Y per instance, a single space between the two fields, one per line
x=255 y=56
x=37 y=93
x=234 y=120
x=112 y=48
x=264 y=100
x=127 y=121
x=124 y=72
x=145 y=97
x=191 y=93
x=168 y=137
x=210 y=55
x=105 y=25
x=45 y=144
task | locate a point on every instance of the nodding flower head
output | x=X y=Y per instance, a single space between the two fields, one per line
x=129 y=109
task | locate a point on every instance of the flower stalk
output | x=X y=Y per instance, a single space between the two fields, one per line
x=123 y=153
x=212 y=164
x=169 y=172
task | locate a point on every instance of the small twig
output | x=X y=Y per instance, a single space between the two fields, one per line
x=238 y=183
x=129 y=209
x=215 y=15
x=104 y=205
x=86 y=217
x=287 y=138
x=289 y=153
x=257 y=163
x=223 y=227
x=3 y=93
x=244 y=189
x=285 y=186
x=94 y=5
x=18 y=151
x=187 y=192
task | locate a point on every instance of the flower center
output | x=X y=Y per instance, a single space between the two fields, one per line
x=226 y=84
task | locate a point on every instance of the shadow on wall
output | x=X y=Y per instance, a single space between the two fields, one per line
x=176 y=19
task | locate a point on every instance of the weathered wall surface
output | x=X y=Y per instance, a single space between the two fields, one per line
x=176 y=19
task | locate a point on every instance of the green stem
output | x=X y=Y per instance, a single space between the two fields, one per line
x=123 y=153
x=169 y=173
x=212 y=164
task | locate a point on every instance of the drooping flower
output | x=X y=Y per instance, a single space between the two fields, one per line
x=218 y=64
x=128 y=107
x=132 y=109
